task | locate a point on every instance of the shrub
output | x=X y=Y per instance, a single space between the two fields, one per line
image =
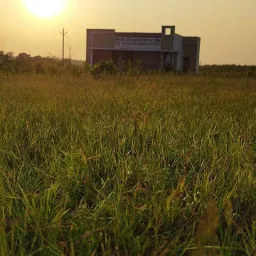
x=103 y=67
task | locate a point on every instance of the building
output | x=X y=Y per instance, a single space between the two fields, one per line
x=165 y=50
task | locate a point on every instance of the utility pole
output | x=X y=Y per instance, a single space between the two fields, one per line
x=63 y=33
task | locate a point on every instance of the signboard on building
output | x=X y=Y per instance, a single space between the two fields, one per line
x=137 y=43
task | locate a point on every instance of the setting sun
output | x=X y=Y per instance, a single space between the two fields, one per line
x=45 y=8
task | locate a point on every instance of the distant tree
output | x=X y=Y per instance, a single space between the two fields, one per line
x=23 y=56
x=1 y=56
x=1 y=59
x=38 y=57
x=8 y=63
x=10 y=55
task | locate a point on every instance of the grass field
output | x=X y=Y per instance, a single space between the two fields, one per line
x=153 y=165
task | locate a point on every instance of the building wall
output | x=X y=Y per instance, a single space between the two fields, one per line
x=103 y=40
x=167 y=39
x=178 y=46
x=191 y=50
x=180 y=61
x=178 y=42
x=100 y=41
x=106 y=44
x=198 y=54
x=99 y=55
x=167 y=42
x=148 y=60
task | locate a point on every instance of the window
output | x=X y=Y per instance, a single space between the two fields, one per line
x=167 y=31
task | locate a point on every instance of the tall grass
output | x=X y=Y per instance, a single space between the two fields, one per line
x=153 y=165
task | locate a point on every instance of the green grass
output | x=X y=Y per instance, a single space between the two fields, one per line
x=154 y=165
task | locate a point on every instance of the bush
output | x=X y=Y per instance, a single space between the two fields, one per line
x=103 y=67
x=39 y=68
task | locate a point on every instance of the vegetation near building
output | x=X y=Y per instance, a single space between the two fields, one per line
x=24 y=63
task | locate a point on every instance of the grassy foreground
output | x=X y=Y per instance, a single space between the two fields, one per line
x=162 y=165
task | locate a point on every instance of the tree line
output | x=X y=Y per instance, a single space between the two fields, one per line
x=24 y=63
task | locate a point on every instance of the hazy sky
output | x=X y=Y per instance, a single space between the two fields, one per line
x=226 y=27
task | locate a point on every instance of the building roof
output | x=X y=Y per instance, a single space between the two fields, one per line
x=144 y=34
x=138 y=34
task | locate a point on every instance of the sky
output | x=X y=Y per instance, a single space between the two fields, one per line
x=226 y=27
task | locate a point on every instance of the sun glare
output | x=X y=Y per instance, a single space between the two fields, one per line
x=45 y=8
